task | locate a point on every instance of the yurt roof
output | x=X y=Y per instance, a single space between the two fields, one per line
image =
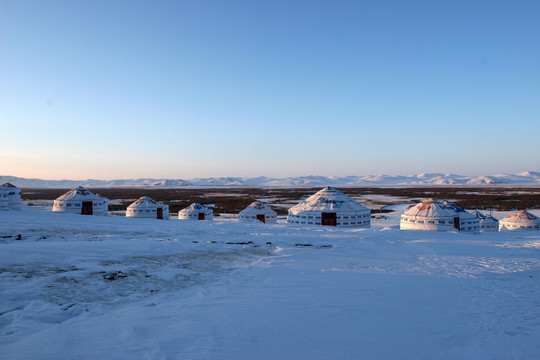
x=522 y=217
x=145 y=201
x=431 y=208
x=9 y=185
x=329 y=199
x=483 y=217
x=258 y=207
x=79 y=193
x=195 y=207
x=463 y=214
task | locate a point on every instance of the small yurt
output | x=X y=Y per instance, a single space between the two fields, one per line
x=146 y=207
x=81 y=201
x=438 y=216
x=10 y=197
x=487 y=222
x=330 y=207
x=521 y=220
x=196 y=212
x=259 y=210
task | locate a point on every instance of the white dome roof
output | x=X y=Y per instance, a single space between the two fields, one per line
x=431 y=209
x=195 y=208
x=258 y=207
x=522 y=218
x=329 y=200
x=146 y=202
x=79 y=194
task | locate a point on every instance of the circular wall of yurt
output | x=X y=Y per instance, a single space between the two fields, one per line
x=487 y=222
x=196 y=211
x=13 y=196
x=330 y=207
x=81 y=201
x=258 y=211
x=146 y=207
x=4 y=198
x=521 y=220
x=438 y=216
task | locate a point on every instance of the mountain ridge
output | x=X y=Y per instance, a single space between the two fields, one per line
x=421 y=179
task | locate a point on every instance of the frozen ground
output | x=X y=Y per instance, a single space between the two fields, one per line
x=75 y=287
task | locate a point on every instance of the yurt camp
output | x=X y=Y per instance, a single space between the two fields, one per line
x=521 y=220
x=487 y=222
x=330 y=207
x=146 y=207
x=196 y=211
x=258 y=211
x=438 y=216
x=81 y=201
x=10 y=197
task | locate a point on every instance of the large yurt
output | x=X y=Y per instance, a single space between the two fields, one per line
x=196 y=211
x=330 y=207
x=10 y=197
x=487 y=222
x=81 y=201
x=258 y=211
x=146 y=207
x=438 y=216
x=521 y=220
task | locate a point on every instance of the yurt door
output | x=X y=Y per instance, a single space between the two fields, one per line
x=329 y=219
x=159 y=213
x=456 y=223
x=261 y=218
x=201 y=216
x=87 y=208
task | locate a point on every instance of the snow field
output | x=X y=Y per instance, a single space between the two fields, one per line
x=116 y=288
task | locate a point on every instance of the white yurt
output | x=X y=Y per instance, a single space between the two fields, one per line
x=487 y=222
x=330 y=207
x=467 y=221
x=521 y=220
x=196 y=211
x=438 y=216
x=10 y=197
x=81 y=201
x=259 y=210
x=146 y=207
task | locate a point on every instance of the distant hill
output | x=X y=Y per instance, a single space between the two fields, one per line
x=524 y=178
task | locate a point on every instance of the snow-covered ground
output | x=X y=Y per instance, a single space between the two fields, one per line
x=83 y=287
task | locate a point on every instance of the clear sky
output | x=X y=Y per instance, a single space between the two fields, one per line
x=184 y=89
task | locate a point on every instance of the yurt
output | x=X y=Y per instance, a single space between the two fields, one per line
x=467 y=221
x=10 y=196
x=81 y=201
x=4 y=198
x=259 y=210
x=330 y=207
x=487 y=222
x=146 y=207
x=521 y=220
x=196 y=212
x=438 y=216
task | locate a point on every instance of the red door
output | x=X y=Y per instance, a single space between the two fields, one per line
x=329 y=219
x=160 y=213
x=201 y=216
x=87 y=208
x=261 y=218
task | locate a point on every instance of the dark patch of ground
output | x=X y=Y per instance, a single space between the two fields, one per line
x=233 y=200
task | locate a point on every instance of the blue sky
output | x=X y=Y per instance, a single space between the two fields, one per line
x=183 y=89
